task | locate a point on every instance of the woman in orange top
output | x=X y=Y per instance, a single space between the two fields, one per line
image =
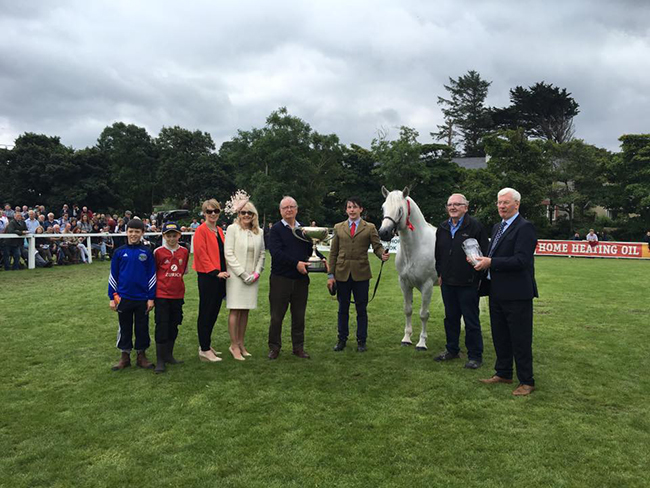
x=210 y=266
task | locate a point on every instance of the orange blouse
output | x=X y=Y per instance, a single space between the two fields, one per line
x=207 y=257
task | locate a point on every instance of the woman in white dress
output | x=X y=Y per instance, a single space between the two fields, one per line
x=244 y=251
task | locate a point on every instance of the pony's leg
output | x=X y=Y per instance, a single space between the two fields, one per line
x=407 y=292
x=427 y=291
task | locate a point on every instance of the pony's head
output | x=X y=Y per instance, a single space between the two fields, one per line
x=394 y=211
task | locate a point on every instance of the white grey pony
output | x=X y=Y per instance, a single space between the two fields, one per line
x=415 y=261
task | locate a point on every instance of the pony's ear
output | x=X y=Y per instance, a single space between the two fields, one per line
x=405 y=191
x=384 y=191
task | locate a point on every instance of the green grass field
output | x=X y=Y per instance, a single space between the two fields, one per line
x=389 y=417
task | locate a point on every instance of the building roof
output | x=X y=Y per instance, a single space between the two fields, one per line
x=471 y=163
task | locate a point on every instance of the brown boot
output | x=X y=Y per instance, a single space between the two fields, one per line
x=124 y=362
x=142 y=361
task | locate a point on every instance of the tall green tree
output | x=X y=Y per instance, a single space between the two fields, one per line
x=355 y=179
x=525 y=165
x=465 y=113
x=578 y=178
x=544 y=111
x=285 y=157
x=628 y=184
x=189 y=170
x=35 y=166
x=427 y=169
x=131 y=164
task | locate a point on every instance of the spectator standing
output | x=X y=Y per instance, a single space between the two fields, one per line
x=13 y=246
x=194 y=225
x=592 y=239
x=32 y=222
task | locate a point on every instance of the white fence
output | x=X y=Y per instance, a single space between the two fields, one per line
x=31 y=239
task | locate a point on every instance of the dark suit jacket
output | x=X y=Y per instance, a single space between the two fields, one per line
x=512 y=271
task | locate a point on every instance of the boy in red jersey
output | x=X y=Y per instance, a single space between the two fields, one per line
x=171 y=264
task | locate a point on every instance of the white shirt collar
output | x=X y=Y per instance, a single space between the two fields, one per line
x=286 y=224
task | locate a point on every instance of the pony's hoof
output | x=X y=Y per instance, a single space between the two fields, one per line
x=421 y=348
x=406 y=344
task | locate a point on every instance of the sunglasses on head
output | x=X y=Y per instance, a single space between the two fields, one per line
x=209 y=211
x=246 y=212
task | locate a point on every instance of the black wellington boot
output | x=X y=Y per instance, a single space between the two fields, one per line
x=170 y=354
x=161 y=356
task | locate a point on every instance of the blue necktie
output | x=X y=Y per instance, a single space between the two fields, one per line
x=497 y=237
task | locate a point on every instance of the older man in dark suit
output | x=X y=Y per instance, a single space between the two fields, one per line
x=511 y=271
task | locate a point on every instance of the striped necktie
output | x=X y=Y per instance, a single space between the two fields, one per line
x=497 y=237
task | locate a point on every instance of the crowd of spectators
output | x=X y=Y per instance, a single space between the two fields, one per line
x=62 y=244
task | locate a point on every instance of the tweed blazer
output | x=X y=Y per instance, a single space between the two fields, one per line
x=349 y=255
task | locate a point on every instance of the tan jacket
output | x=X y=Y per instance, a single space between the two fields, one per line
x=349 y=255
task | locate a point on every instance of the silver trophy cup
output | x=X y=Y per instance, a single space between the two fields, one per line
x=472 y=250
x=314 y=235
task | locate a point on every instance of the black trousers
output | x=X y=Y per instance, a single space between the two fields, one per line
x=512 y=334
x=169 y=315
x=128 y=312
x=462 y=301
x=282 y=293
x=212 y=290
x=345 y=289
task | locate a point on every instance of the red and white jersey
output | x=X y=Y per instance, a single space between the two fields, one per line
x=171 y=266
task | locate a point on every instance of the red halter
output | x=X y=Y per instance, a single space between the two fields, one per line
x=408 y=215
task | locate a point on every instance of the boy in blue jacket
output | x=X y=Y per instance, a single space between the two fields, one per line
x=131 y=291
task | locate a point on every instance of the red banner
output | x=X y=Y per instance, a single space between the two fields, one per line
x=605 y=249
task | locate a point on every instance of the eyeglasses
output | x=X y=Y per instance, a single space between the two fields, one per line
x=504 y=202
x=289 y=207
x=209 y=211
x=449 y=205
x=246 y=212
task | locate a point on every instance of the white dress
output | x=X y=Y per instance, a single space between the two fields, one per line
x=244 y=252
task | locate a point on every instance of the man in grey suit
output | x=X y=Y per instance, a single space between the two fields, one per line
x=510 y=269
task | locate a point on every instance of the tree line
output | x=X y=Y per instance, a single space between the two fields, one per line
x=529 y=146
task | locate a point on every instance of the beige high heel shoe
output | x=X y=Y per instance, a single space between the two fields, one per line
x=238 y=357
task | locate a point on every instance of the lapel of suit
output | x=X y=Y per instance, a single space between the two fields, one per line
x=505 y=234
x=360 y=227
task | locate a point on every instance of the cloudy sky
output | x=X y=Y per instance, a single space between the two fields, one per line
x=70 y=68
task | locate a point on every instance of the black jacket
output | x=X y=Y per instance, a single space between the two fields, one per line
x=451 y=263
x=18 y=228
x=513 y=262
x=286 y=250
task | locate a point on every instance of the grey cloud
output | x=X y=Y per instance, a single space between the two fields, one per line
x=70 y=68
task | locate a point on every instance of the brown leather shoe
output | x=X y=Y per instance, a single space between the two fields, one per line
x=301 y=354
x=142 y=361
x=523 y=390
x=274 y=353
x=495 y=379
x=124 y=362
